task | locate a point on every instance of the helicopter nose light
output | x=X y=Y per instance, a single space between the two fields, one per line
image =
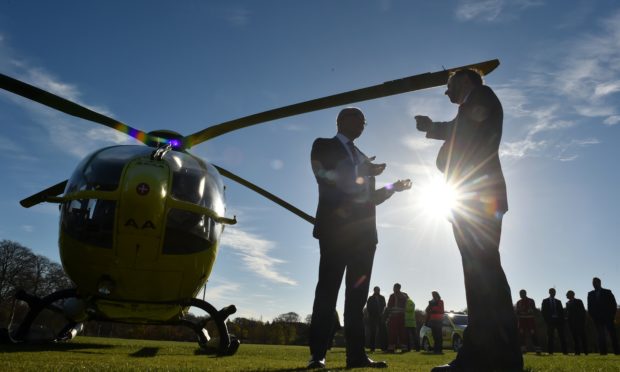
x=105 y=286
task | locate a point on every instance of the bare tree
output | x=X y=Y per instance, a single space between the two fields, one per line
x=291 y=317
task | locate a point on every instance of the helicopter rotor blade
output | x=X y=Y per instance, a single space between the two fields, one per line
x=61 y=104
x=265 y=193
x=408 y=84
x=41 y=196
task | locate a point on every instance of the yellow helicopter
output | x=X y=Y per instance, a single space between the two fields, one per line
x=140 y=225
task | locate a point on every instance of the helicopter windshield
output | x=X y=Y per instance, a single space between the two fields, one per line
x=102 y=169
x=91 y=221
x=196 y=182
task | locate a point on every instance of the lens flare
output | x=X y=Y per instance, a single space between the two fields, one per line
x=438 y=198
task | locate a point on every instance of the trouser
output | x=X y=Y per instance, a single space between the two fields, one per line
x=527 y=326
x=490 y=340
x=414 y=339
x=373 y=328
x=551 y=327
x=397 y=336
x=578 y=331
x=336 y=256
x=601 y=329
x=436 y=326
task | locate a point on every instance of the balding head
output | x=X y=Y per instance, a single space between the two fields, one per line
x=351 y=122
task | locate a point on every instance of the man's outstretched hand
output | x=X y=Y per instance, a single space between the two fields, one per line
x=401 y=185
x=370 y=169
x=423 y=123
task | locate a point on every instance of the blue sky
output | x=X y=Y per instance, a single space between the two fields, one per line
x=188 y=65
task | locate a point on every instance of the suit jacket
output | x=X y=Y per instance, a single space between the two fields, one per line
x=346 y=209
x=547 y=313
x=375 y=306
x=602 y=308
x=469 y=156
x=575 y=312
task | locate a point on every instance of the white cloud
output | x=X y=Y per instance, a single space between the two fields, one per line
x=254 y=252
x=566 y=87
x=487 y=10
x=493 y=10
x=520 y=149
x=66 y=133
x=612 y=120
x=418 y=143
x=222 y=293
x=567 y=150
x=27 y=228
x=604 y=89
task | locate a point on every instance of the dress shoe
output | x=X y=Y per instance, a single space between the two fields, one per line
x=446 y=368
x=316 y=363
x=456 y=367
x=366 y=363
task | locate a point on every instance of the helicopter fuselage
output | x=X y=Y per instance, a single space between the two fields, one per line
x=139 y=232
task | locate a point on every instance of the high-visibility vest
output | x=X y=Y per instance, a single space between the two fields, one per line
x=410 y=314
x=436 y=310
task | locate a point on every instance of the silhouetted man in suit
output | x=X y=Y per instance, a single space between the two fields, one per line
x=346 y=229
x=553 y=314
x=602 y=308
x=470 y=161
x=375 y=306
x=576 y=318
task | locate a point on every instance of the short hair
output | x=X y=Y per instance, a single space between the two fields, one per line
x=570 y=293
x=376 y=288
x=474 y=75
x=523 y=291
x=596 y=279
x=551 y=289
x=397 y=285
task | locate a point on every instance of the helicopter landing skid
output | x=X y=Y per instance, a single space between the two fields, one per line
x=228 y=344
x=35 y=306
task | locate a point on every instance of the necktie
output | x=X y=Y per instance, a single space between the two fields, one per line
x=353 y=152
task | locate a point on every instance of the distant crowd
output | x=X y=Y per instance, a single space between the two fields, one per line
x=602 y=308
x=392 y=325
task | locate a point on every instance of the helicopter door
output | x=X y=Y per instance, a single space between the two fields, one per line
x=141 y=211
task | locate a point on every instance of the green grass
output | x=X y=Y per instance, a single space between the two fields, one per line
x=104 y=354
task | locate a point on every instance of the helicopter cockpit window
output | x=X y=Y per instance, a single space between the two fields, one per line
x=188 y=232
x=102 y=170
x=90 y=221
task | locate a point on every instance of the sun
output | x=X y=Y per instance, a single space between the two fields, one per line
x=437 y=198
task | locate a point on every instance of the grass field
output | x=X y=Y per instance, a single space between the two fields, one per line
x=104 y=354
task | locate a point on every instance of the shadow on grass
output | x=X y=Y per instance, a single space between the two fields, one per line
x=293 y=369
x=48 y=346
x=145 y=352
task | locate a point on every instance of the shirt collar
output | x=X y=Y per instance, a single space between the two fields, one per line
x=344 y=139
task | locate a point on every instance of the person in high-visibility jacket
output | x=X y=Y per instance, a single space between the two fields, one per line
x=411 y=326
x=434 y=314
x=525 y=310
x=396 y=320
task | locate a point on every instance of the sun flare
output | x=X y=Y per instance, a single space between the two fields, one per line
x=438 y=198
